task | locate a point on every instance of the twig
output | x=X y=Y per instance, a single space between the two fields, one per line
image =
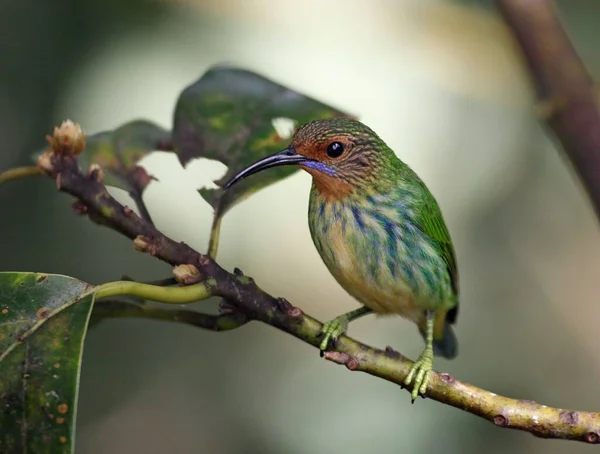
x=565 y=89
x=138 y=179
x=141 y=205
x=19 y=172
x=241 y=291
x=215 y=233
x=111 y=308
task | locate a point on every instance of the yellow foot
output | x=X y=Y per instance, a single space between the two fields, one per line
x=331 y=331
x=420 y=372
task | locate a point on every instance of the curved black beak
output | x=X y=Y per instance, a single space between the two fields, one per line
x=283 y=158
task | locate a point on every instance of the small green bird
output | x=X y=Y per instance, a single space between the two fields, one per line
x=379 y=231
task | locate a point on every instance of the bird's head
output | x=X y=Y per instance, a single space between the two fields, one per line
x=341 y=154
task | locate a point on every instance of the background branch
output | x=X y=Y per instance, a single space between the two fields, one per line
x=565 y=89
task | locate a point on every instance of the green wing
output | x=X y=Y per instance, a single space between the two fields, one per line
x=431 y=222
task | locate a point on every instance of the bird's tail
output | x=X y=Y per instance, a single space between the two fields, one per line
x=445 y=343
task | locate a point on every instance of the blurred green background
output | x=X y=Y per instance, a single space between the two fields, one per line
x=442 y=84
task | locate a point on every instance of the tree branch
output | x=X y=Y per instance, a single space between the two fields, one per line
x=565 y=89
x=138 y=179
x=118 y=308
x=241 y=292
x=19 y=172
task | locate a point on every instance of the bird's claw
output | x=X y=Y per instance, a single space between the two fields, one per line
x=420 y=372
x=331 y=331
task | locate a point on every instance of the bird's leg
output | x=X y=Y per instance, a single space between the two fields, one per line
x=335 y=328
x=421 y=369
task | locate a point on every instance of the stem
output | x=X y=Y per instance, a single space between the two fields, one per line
x=215 y=233
x=136 y=195
x=19 y=172
x=118 y=309
x=168 y=295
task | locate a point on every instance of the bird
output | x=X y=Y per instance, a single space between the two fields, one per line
x=380 y=233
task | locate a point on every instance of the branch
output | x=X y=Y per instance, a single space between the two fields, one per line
x=138 y=179
x=215 y=233
x=19 y=172
x=241 y=292
x=115 y=308
x=565 y=89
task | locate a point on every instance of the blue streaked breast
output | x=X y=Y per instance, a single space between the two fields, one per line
x=372 y=247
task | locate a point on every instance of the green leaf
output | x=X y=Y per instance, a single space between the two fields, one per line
x=42 y=328
x=118 y=152
x=228 y=115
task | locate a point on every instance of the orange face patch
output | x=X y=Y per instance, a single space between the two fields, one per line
x=330 y=187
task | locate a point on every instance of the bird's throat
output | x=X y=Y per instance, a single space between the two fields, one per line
x=330 y=188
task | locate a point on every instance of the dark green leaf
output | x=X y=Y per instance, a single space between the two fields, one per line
x=228 y=115
x=41 y=341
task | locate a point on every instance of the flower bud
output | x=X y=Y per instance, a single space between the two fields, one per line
x=186 y=274
x=44 y=162
x=69 y=139
x=96 y=173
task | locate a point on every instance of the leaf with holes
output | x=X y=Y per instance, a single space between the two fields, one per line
x=42 y=327
x=237 y=117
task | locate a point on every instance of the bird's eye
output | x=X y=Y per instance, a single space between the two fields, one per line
x=335 y=149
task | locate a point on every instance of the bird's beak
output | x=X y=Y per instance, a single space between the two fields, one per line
x=283 y=158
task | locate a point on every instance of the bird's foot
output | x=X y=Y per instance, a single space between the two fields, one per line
x=420 y=373
x=331 y=331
